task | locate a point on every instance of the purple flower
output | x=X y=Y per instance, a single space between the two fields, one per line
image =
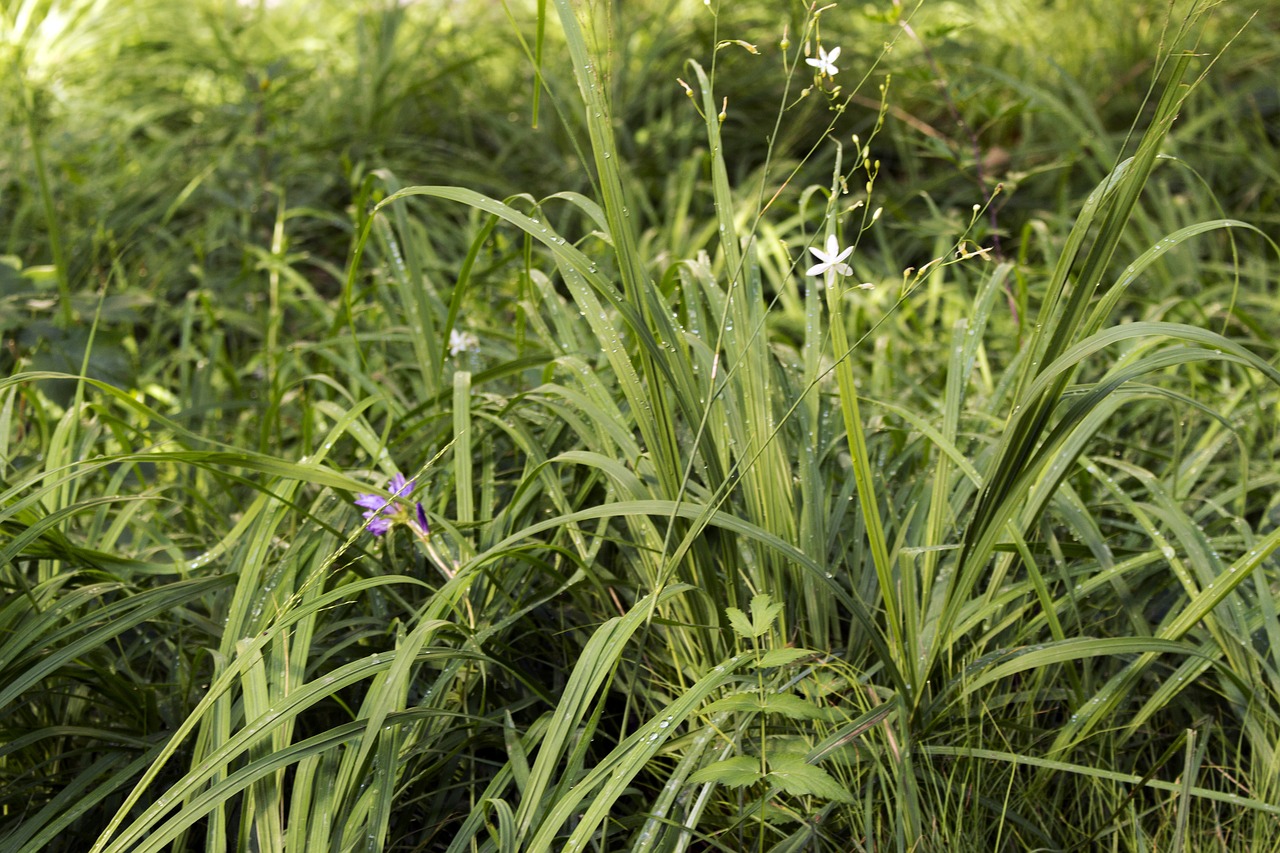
x=382 y=512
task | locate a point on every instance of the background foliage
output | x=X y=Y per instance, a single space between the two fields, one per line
x=721 y=555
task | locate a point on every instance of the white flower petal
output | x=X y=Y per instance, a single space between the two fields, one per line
x=832 y=258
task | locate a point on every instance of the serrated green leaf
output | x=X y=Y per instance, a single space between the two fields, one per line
x=748 y=702
x=789 y=705
x=738 y=621
x=792 y=774
x=775 y=815
x=764 y=612
x=781 y=657
x=737 y=772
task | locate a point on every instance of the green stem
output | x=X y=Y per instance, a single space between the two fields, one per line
x=66 y=314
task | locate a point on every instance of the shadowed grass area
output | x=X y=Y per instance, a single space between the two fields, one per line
x=769 y=448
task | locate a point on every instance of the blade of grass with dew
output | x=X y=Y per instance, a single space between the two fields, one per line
x=120 y=617
x=231 y=675
x=241 y=779
x=598 y=660
x=766 y=479
x=941 y=519
x=212 y=772
x=105 y=778
x=1045 y=452
x=1234 y=800
x=1106 y=699
x=868 y=501
x=615 y=772
x=1116 y=198
x=657 y=426
x=462 y=455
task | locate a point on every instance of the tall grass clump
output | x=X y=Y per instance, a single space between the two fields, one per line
x=725 y=495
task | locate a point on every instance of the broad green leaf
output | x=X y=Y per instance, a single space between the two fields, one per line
x=781 y=657
x=786 y=704
x=794 y=775
x=740 y=623
x=764 y=612
x=736 y=772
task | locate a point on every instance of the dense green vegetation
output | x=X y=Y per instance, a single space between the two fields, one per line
x=695 y=531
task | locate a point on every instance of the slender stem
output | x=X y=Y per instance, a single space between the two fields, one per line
x=66 y=313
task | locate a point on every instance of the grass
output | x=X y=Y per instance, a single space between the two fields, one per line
x=719 y=555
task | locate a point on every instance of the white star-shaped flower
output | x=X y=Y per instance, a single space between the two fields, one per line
x=460 y=342
x=826 y=62
x=832 y=259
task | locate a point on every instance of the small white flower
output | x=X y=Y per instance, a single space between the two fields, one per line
x=832 y=259
x=460 y=342
x=826 y=62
